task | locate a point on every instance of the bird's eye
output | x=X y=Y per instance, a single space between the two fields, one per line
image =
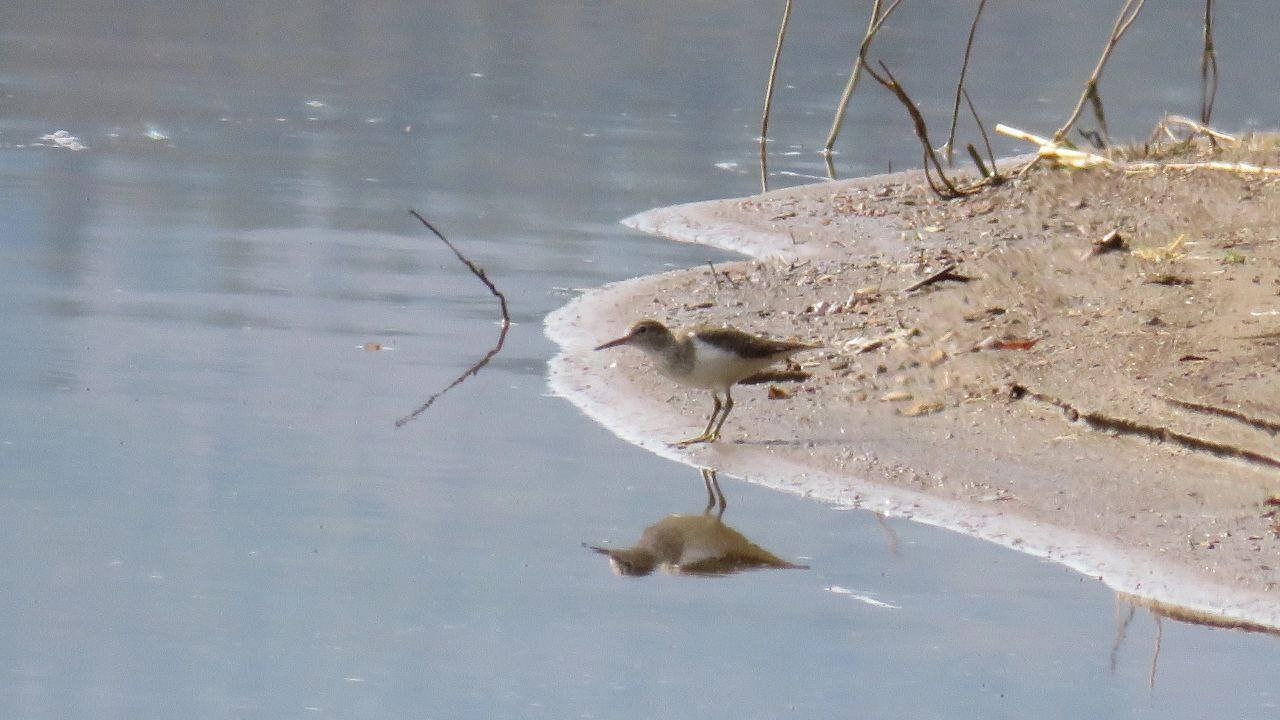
x=641 y=329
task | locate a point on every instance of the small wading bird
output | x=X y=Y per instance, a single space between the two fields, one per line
x=709 y=358
x=693 y=544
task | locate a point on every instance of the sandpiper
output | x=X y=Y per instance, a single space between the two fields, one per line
x=693 y=544
x=709 y=358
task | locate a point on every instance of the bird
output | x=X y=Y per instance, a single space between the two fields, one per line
x=707 y=358
x=693 y=544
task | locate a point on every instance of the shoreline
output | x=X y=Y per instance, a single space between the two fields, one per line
x=839 y=445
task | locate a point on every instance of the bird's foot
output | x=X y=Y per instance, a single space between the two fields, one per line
x=706 y=437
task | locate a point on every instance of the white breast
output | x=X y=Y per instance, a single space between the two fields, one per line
x=715 y=369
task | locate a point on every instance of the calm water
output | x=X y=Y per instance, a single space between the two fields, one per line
x=205 y=509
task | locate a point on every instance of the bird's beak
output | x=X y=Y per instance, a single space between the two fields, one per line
x=614 y=343
x=602 y=551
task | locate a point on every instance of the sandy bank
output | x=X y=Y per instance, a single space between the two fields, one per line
x=983 y=407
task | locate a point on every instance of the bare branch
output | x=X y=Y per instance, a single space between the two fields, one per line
x=948 y=189
x=502 y=334
x=502 y=338
x=477 y=271
x=843 y=106
x=1128 y=13
x=964 y=67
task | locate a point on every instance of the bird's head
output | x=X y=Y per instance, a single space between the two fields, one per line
x=645 y=334
x=632 y=562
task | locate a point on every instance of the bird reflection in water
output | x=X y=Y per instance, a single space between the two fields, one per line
x=694 y=544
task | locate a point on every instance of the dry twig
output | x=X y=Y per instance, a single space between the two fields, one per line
x=1166 y=124
x=1128 y=13
x=946 y=273
x=768 y=97
x=949 y=146
x=977 y=160
x=502 y=334
x=1208 y=67
x=947 y=189
x=873 y=26
x=994 y=175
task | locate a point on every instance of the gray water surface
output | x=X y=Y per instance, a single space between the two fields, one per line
x=205 y=508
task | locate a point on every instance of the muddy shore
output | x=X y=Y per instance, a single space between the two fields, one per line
x=1112 y=409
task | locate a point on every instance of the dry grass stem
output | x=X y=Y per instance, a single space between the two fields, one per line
x=1208 y=67
x=1081 y=159
x=1168 y=122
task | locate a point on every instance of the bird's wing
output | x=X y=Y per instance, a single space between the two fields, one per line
x=747 y=345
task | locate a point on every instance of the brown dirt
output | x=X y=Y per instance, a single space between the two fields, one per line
x=1083 y=407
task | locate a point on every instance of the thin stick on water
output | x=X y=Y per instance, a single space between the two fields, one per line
x=475 y=270
x=768 y=96
x=1128 y=13
x=502 y=334
x=949 y=147
x=843 y=106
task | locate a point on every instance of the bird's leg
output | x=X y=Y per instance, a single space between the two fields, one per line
x=715 y=487
x=728 y=405
x=708 y=475
x=707 y=435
